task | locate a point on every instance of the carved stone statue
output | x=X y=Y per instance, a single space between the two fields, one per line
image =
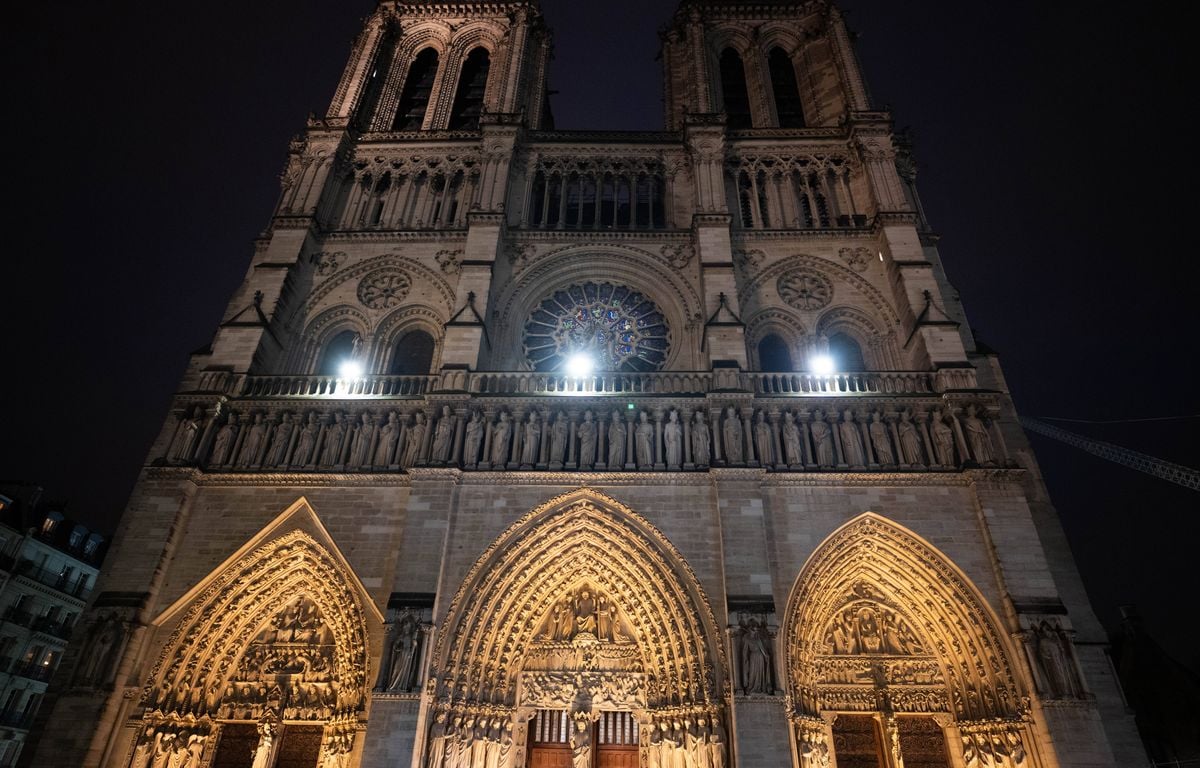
x=731 y=433
x=99 y=657
x=223 y=443
x=531 y=439
x=756 y=658
x=402 y=675
x=852 y=445
x=910 y=440
x=558 y=438
x=822 y=435
x=255 y=442
x=501 y=432
x=306 y=440
x=331 y=452
x=643 y=441
x=616 y=441
x=443 y=436
x=581 y=741
x=186 y=436
x=880 y=442
x=584 y=607
x=1054 y=663
x=764 y=441
x=587 y=441
x=791 y=440
x=364 y=437
x=282 y=440
x=413 y=440
x=385 y=450
x=943 y=438
x=978 y=437
x=701 y=441
x=673 y=440
x=474 y=438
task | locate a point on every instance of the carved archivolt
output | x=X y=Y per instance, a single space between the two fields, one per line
x=287 y=610
x=880 y=620
x=581 y=571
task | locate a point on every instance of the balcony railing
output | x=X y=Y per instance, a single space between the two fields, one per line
x=866 y=383
x=608 y=383
x=64 y=583
x=334 y=386
x=34 y=671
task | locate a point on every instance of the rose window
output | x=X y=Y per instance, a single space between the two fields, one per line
x=619 y=328
x=384 y=289
x=804 y=290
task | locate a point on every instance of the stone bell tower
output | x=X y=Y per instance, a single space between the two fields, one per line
x=521 y=447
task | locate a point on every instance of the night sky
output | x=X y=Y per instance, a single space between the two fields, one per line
x=147 y=138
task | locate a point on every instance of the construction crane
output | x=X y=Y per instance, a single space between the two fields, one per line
x=1165 y=470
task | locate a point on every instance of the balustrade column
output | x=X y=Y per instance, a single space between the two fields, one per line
x=527 y=202
x=616 y=200
x=998 y=439
x=544 y=451
x=897 y=449
x=776 y=441
x=922 y=419
x=564 y=182
x=959 y=439
x=545 y=199
x=245 y=422
x=775 y=202
x=813 y=211
x=840 y=453
x=715 y=432
x=460 y=425
x=687 y=438
x=756 y=214
x=748 y=434
x=668 y=200
x=486 y=459
x=868 y=448
x=518 y=430
x=830 y=198
x=845 y=193
x=574 y=422
x=660 y=461
x=808 y=452
x=633 y=200
x=650 y=201
x=598 y=181
x=630 y=452
x=787 y=198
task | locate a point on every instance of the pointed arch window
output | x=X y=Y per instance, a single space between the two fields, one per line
x=413 y=355
x=734 y=91
x=418 y=86
x=773 y=354
x=787 y=92
x=339 y=349
x=846 y=353
x=468 y=97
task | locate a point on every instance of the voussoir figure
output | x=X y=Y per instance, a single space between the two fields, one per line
x=443 y=436
x=852 y=445
x=977 y=436
x=673 y=440
x=473 y=439
x=880 y=440
x=731 y=433
x=501 y=431
x=791 y=440
x=822 y=435
x=643 y=440
x=764 y=440
x=587 y=441
x=616 y=441
x=701 y=441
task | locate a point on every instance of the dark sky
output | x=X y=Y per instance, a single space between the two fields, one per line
x=147 y=138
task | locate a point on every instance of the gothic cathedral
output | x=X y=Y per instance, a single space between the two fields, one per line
x=521 y=447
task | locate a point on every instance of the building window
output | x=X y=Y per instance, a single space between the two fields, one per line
x=846 y=353
x=733 y=89
x=413 y=355
x=414 y=97
x=787 y=93
x=50 y=524
x=618 y=328
x=78 y=533
x=339 y=350
x=773 y=354
x=468 y=98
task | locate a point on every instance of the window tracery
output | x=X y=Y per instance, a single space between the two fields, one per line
x=621 y=329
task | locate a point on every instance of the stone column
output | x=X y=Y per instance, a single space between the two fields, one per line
x=748 y=434
x=630 y=449
x=489 y=414
x=659 y=460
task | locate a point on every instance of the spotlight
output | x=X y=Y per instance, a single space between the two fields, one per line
x=580 y=366
x=350 y=369
x=821 y=364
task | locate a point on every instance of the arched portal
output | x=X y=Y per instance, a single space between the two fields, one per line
x=585 y=609
x=891 y=648
x=270 y=657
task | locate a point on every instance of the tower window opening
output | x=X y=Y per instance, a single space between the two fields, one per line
x=733 y=89
x=339 y=349
x=787 y=93
x=773 y=354
x=468 y=98
x=846 y=353
x=413 y=355
x=414 y=97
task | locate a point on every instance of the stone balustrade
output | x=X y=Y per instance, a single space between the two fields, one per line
x=664 y=421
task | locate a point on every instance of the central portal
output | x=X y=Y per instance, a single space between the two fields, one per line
x=615 y=735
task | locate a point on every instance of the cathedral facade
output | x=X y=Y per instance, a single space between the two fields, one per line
x=526 y=447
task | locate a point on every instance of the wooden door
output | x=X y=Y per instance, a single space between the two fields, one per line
x=549 y=745
x=236 y=745
x=616 y=740
x=857 y=742
x=300 y=747
x=923 y=743
x=614 y=736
